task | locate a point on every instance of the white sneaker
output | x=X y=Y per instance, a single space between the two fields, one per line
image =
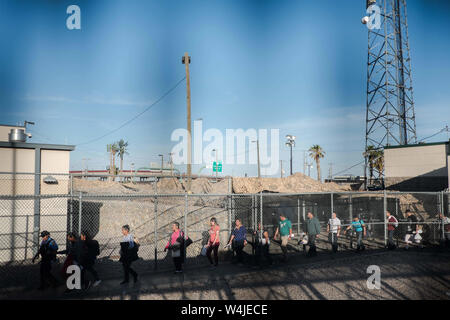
x=96 y=283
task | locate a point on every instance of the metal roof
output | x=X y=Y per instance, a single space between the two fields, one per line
x=25 y=145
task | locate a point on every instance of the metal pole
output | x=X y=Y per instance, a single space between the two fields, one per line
x=442 y=212
x=304 y=211
x=332 y=203
x=261 y=215
x=187 y=61
x=80 y=210
x=384 y=217
x=259 y=165
x=298 y=216
x=291 y=159
x=26 y=237
x=185 y=215
x=37 y=199
x=156 y=231
x=71 y=203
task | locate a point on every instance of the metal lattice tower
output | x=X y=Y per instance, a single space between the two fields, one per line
x=390 y=117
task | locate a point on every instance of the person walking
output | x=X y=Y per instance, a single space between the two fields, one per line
x=128 y=254
x=47 y=250
x=284 y=229
x=262 y=244
x=445 y=221
x=360 y=229
x=313 y=231
x=71 y=253
x=90 y=249
x=392 y=224
x=238 y=240
x=176 y=247
x=213 y=243
x=334 y=229
x=411 y=228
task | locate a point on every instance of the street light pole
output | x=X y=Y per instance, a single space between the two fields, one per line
x=171 y=163
x=162 y=163
x=217 y=163
x=186 y=60
x=290 y=143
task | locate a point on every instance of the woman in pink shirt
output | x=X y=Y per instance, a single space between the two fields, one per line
x=176 y=246
x=213 y=243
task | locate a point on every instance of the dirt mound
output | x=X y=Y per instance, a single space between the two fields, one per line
x=100 y=187
x=169 y=185
x=292 y=184
x=208 y=186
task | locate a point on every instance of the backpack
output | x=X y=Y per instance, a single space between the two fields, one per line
x=95 y=247
x=396 y=222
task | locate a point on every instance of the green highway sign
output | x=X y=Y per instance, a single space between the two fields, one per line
x=217 y=168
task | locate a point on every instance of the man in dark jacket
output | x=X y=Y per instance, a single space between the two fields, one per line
x=313 y=231
x=71 y=253
x=89 y=250
x=47 y=251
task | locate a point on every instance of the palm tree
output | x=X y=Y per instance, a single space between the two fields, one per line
x=121 y=151
x=375 y=159
x=379 y=163
x=370 y=154
x=316 y=152
x=112 y=149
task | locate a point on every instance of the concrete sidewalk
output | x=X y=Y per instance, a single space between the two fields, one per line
x=405 y=275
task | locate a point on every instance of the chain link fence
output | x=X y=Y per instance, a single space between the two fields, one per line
x=23 y=215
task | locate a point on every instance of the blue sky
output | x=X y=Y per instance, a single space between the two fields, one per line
x=295 y=65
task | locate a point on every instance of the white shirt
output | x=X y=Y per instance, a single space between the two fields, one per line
x=334 y=224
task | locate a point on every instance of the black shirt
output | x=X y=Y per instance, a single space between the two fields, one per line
x=412 y=227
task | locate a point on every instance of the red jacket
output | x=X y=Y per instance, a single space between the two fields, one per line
x=391 y=223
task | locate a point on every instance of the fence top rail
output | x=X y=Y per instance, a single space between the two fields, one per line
x=77 y=194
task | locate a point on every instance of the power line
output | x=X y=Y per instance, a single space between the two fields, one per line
x=446 y=128
x=136 y=116
x=359 y=163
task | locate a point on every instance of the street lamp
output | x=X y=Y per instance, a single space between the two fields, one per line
x=290 y=142
x=162 y=162
x=217 y=162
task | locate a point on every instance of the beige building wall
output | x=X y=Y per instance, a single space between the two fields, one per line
x=16 y=161
x=416 y=161
x=417 y=168
x=16 y=214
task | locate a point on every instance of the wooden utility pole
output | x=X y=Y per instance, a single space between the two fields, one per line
x=257 y=151
x=281 y=168
x=186 y=60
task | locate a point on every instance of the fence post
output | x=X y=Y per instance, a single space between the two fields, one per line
x=304 y=211
x=448 y=203
x=26 y=237
x=350 y=208
x=261 y=215
x=80 y=210
x=185 y=219
x=332 y=204
x=298 y=216
x=155 y=223
x=71 y=203
x=384 y=217
x=442 y=213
